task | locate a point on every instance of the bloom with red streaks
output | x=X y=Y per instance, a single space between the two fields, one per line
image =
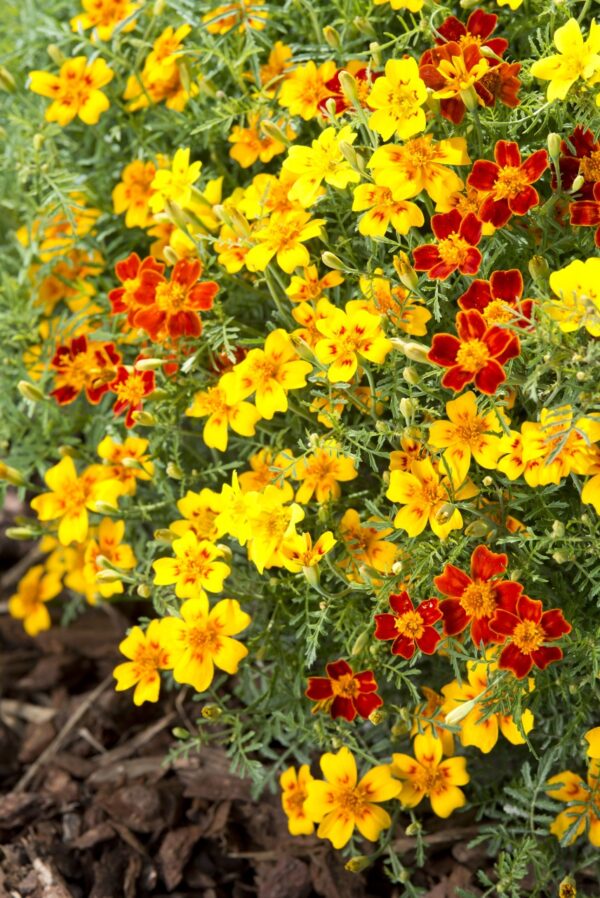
x=79 y=365
x=586 y=213
x=131 y=387
x=579 y=155
x=172 y=311
x=527 y=631
x=458 y=237
x=138 y=284
x=507 y=182
x=408 y=626
x=453 y=71
x=478 y=28
x=344 y=693
x=478 y=354
x=500 y=300
x=473 y=600
x=364 y=81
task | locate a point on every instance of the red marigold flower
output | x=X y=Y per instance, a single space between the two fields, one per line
x=451 y=71
x=478 y=29
x=409 y=626
x=172 y=311
x=507 y=182
x=500 y=299
x=527 y=630
x=586 y=213
x=80 y=365
x=580 y=155
x=478 y=354
x=343 y=693
x=364 y=81
x=131 y=387
x=139 y=279
x=474 y=599
x=500 y=82
x=458 y=237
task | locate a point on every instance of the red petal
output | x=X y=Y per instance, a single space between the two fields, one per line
x=453 y=109
x=366 y=681
x=529 y=609
x=511 y=350
x=489 y=378
x=428 y=641
x=503 y=622
x=481 y=24
x=429 y=611
x=452 y=29
x=481 y=633
x=457 y=378
x=477 y=296
x=456 y=618
x=513 y=659
x=127 y=269
x=470 y=229
x=554 y=625
x=385 y=626
x=483 y=175
x=404 y=646
x=524 y=201
x=444 y=349
x=366 y=704
x=337 y=669
x=452 y=581
x=507 y=285
x=470 y=325
x=507 y=153
x=343 y=707
x=319 y=688
x=401 y=603
x=486 y=564
x=472 y=262
x=545 y=655
x=447 y=223
x=442 y=270
x=535 y=165
x=425 y=257
x=585 y=213
x=496 y=212
x=507 y=594
x=202 y=295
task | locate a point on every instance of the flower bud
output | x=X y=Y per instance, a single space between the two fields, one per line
x=416 y=352
x=239 y=223
x=357 y=864
x=567 y=888
x=272 y=129
x=225 y=551
x=538 y=268
x=107 y=577
x=376 y=717
x=158 y=7
x=553 y=141
x=577 y=184
x=397 y=568
x=104 y=508
x=148 y=364
x=558 y=529
x=7 y=82
x=444 y=513
x=407 y=274
x=362 y=24
x=21 y=533
x=332 y=261
x=411 y=375
x=399 y=730
x=163 y=535
x=184 y=75
x=413 y=828
x=457 y=714
x=170 y=255
x=174 y=471
x=352 y=157
x=144 y=419
x=181 y=733
x=488 y=481
x=211 y=712
x=311 y=574
x=56 y=54
x=332 y=37
x=11 y=475
x=360 y=643
x=375 y=51
x=408 y=408
x=38 y=140
x=331 y=107
x=349 y=88
x=561 y=557
x=144 y=591
x=479 y=529
x=30 y=391
x=470 y=98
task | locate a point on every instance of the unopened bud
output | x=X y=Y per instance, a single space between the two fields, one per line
x=459 y=713
x=406 y=273
x=211 y=712
x=488 y=53
x=144 y=591
x=163 y=535
x=170 y=255
x=312 y=574
x=360 y=643
x=408 y=408
x=144 y=419
x=397 y=568
x=332 y=261
x=56 y=54
x=349 y=87
x=470 y=98
x=577 y=184
x=478 y=529
x=561 y=557
x=444 y=513
x=225 y=551
x=158 y=7
x=538 y=268
x=362 y=24
x=30 y=391
x=181 y=733
x=332 y=37
x=351 y=156
x=148 y=364
x=38 y=140
x=376 y=717
x=488 y=481
x=357 y=864
x=331 y=107
x=416 y=352
x=107 y=577
x=174 y=471
x=553 y=141
x=375 y=51
x=413 y=828
x=567 y=888
x=558 y=529
x=184 y=75
x=271 y=129
x=7 y=82
x=21 y=533
x=411 y=375
x=11 y=475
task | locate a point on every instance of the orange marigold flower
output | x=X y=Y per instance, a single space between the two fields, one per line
x=75 y=91
x=131 y=387
x=451 y=71
x=500 y=299
x=139 y=279
x=527 y=630
x=458 y=237
x=507 y=182
x=252 y=143
x=305 y=87
x=148 y=655
x=80 y=365
x=321 y=473
x=343 y=693
x=104 y=16
x=28 y=604
x=172 y=311
x=427 y=774
x=133 y=192
x=241 y=14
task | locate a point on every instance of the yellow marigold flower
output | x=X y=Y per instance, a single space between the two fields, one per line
x=410 y=5
x=148 y=655
x=592 y=737
x=126 y=462
x=75 y=91
x=298 y=551
x=426 y=497
x=554 y=447
x=200 y=512
x=412 y=449
x=161 y=78
x=223 y=406
x=294 y=792
x=133 y=193
x=576 y=58
x=270 y=522
x=108 y=543
x=174 y=183
x=232 y=250
x=234 y=516
x=479 y=727
x=104 y=16
x=307 y=315
x=268 y=469
x=271 y=372
x=241 y=14
x=582 y=798
x=252 y=143
x=194 y=568
x=268 y=194
x=348 y=334
x=71 y=496
x=383 y=210
x=467 y=434
x=309 y=287
x=305 y=87
x=397 y=98
x=28 y=604
x=322 y=161
x=400 y=308
x=420 y=164
x=200 y=640
x=284 y=236
x=366 y=545
x=578 y=289
x=321 y=473
x=276 y=67
x=342 y=802
x=428 y=775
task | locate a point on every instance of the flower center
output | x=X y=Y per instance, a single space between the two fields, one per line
x=203 y=638
x=453 y=249
x=346 y=686
x=402 y=100
x=470 y=430
x=351 y=801
x=511 y=181
x=410 y=624
x=429 y=779
x=170 y=297
x=528 y=636
x=420 y=152
x=148 y=658
x=479 y=599
x=131 y=390
x=294 y=802
x=498 y=312
x=472 y=355
x=589 y=166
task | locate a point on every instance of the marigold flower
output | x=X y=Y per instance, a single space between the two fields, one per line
x=194 y=568
x=266 y=469
x=200 y=512
x=577 y=288
x=70 y=497
x=322 y=161
x=592 y=737
x=321 y=472
x=428 y=717
x=275 y=69
x=175 y=183
x=130 y=388
x=343 y=693
x=581 y=811
x=384 y=210
x=107 y=542
x=148 y=655
x=294 y=792
x=309 y=287
x=271 y=372
x=424 y=495
x=252 y=143
x=428 y=775
x=75 y=91
x=341 y=803
x=507 y=182
x=420 y=164
x=305 y=88
x=172 y=312
x=28 y=604
x=576 y=58
x=133 y=193
x=234 y=514
x=397 y=98
x=479 y=727
x=139 y=279
x=270 y=522
x=349 y=334
x=133 y=451
x=241 y=14
x=284 y=236
x=366 y=545
x=80 y=365
x=408 y=626
x=104 y=16
x=160 y=78
x=527 y=631
x=458 y=237
x=223 y=407
x=400 y=308
x=467 y=434
x=201 y=639
x=410 y=5
x=299 y=553
x=579 y=155
x=586 y=213
x=472 y=599
x=477 y=355
x=500 y=299
x=364 y=77
x=452 y=71
x=476 y=32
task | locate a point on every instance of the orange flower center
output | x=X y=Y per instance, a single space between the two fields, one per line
x=589 y=167
x=420 y=152
x=453 y=249
x=131 y=390
x=351 y=801
x=410 y=625
x=294 y=801
x=346 y=686
x=472 y=355
x=148 y=658
x=428 y=779
x=498 y=312
x=469 y=431
x=403 y=100
x=510 y=183
x=74 y=495
x=479 y=599
x=433 y=493
x=171 y=296
x=528 y=636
